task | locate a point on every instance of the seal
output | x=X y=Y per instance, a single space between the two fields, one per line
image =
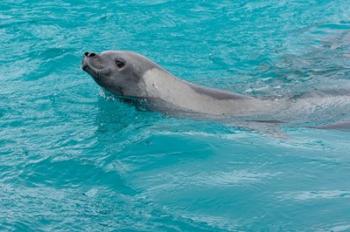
x=132 y=76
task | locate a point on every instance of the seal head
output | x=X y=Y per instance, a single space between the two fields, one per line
x=119 y=72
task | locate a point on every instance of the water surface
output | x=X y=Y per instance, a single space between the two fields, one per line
x=72 y=159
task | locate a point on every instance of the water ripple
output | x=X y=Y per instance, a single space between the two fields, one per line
x=75 y=159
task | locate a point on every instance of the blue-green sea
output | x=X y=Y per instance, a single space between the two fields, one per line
x=75 y=159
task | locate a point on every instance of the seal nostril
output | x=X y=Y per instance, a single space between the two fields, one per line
x=86 y=54
x=92 y=54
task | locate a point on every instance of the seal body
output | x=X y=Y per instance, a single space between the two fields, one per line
x=140 y=81
x=188 y=97
x=131 y=75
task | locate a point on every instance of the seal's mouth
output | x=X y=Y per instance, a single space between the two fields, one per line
x=84 y=67
x=84 y=63
x=89 y=68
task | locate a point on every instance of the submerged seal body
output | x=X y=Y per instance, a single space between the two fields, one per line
x=131 y=75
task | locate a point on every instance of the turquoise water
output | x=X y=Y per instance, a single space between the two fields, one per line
x=72 y=159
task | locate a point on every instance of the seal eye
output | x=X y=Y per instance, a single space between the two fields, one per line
x=120 y=63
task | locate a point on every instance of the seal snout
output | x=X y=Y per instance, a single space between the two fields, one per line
x=92 y=61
